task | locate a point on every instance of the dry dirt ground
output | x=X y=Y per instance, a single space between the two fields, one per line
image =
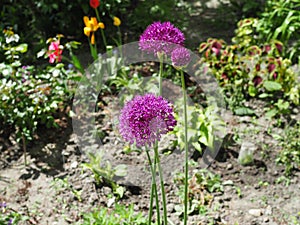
x=47 y=189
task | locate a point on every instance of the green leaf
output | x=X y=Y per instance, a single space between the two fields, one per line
x=22 y=48
x=121 y=170
x=264 y=95
x=77 y=63
x=243 y=111
x=252 y=91
x=272 y=86
x=41 y=53
x=120 y=191
x=271 y=113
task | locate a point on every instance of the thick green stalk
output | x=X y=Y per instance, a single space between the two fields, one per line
x=162 y=186
x=186 y=168
x=153 y=190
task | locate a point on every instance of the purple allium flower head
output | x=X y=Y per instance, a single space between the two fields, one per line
x=145 y=118
x=180 y=57
x=161 y=37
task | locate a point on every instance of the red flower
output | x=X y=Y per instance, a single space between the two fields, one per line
x=267 y=48
x=257 y=67
x=257 y=80
x=94 y=3
x=55 y=51
x=224 y=76
x=271 y=67
x=279 y=47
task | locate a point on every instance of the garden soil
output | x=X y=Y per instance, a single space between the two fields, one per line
x=54 y=188
x=47 y=188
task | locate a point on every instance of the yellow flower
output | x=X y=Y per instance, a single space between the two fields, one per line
x=101 y=25
x=117 y=21
x=91 y=25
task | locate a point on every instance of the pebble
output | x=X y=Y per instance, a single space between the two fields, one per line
x=74 y=165
x=266 y=219
x=268 y=210
x=229 y=166
x=106 y=191
x=255 y=212
x=170 y=207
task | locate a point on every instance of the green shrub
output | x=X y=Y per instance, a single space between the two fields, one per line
x=281 y=20
x=289 y=156
x=30 y=96
x=246 y=70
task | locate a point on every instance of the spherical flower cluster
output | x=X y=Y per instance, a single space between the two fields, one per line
x=55 y=51
x=180 y=57
x=161 y=37
x=145 y=118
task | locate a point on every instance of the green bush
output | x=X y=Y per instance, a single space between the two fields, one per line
x=289 y=156
x=246 y=70
x=30 y=96
x=281 y=20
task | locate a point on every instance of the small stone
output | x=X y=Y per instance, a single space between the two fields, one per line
x=170 y=207
x=74 y=165
x=106 y=191
x=295 y=111
x=246 y=153
x=136 y=207
x=255 y=212
x=110 y=202
x=229 y=166
x=287 y=196
x=268 y=210
x=266 y=219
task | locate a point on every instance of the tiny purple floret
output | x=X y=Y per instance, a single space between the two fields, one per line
x=161 y=38
x=145 y=118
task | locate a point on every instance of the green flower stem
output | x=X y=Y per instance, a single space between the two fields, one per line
x=161 y=60
x=102 y=32
x=162 y=186
x=93 y=50
x=153 y=190
x=185 y=149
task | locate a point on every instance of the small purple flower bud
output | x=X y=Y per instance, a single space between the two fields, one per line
x=180 y=57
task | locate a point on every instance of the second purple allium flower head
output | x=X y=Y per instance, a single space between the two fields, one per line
x=180 y=57
x=145 y=118
x=161 y=37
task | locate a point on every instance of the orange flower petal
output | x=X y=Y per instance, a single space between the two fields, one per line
x=93 y=39
x=87 y=31
x=101 y=25
x=86 y=21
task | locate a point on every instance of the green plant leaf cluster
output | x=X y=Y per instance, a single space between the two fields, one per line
x=104 y=172
x=289 y=155
x=281 y=20
x=119 y=215
x=246 y=70
x=202 y=185
x=203 y=124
